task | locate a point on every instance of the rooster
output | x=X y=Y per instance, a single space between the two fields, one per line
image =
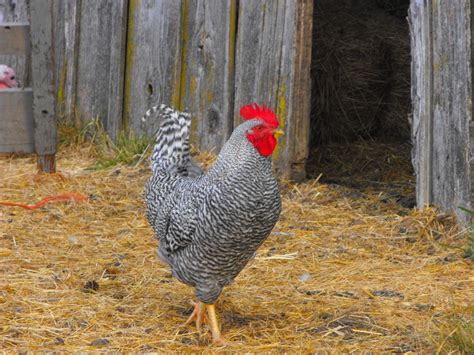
x=210 y=224
x=7 y=77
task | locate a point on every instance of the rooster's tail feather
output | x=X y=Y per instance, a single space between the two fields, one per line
x=171 y=151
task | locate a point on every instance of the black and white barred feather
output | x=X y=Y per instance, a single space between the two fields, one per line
x=209 y=224
x=171 y=151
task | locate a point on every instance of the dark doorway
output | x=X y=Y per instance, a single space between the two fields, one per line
x=360 y=130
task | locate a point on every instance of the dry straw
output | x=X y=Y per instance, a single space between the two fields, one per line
x=338 y=273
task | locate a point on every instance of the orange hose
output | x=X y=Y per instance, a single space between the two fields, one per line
x=66 y=196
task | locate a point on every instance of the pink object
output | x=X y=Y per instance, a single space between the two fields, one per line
x=7 y=77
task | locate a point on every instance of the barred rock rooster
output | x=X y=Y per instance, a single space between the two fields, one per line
x=210 y=224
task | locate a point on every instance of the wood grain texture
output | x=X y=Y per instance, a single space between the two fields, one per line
x=101 y=58
x=17 y=11
x=452 y=105
x=273 y=68
x=154 y=56
x=299 y=123
x=66 y=48
x=16 y=132
x=471 y=161
x=46 y=163
x=421 y=95
x=442 y=103
x=208 y=68
x=14 y=38
x=43 y=77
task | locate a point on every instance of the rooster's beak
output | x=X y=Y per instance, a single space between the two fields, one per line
x=278 y=132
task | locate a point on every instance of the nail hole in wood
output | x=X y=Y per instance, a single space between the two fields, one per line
x=213 y=120
x=149 y=89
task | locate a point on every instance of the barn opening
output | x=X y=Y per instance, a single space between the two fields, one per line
x=360 y=131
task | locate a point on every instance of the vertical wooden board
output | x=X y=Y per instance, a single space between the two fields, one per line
x=66 y=47
x=421 y=95
x=452 y=105
x=471 y=163
x=208 y=67
x=17 y=11
x=153 y=68
x=299 y=122
x=16 y=122
x=259 y=57
x=14 y=37
x=273 y=68
x=3 y=10
x=101 y=61
x=42 y=67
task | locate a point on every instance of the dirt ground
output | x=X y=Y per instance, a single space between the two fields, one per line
x=343 y=271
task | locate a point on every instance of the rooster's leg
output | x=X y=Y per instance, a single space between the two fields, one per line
x=197 y=315
x=217 y=338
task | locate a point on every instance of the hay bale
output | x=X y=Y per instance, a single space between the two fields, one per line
x=361 y=74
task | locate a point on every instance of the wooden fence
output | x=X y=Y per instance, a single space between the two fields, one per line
x=28 y=115
x=116 y=58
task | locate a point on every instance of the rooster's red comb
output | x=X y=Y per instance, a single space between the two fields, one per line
x=254 y=111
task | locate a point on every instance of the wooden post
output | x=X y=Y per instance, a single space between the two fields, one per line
x=442 y=103
x=43 y=83
x=422 y=90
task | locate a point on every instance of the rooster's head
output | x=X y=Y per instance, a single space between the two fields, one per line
x=264 y=135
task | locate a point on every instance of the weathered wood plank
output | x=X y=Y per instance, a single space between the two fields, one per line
x=421 y=95
x=272 y=67
x=442 y=103
x=452 y=105
x=42 y=27
x=300 y=104
x=14 y=38
x=101 y=61
x=471 y=161
x=154 y=56
x=16 y=124
x=17 y=11
x=67 y=20
x=208 y=67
